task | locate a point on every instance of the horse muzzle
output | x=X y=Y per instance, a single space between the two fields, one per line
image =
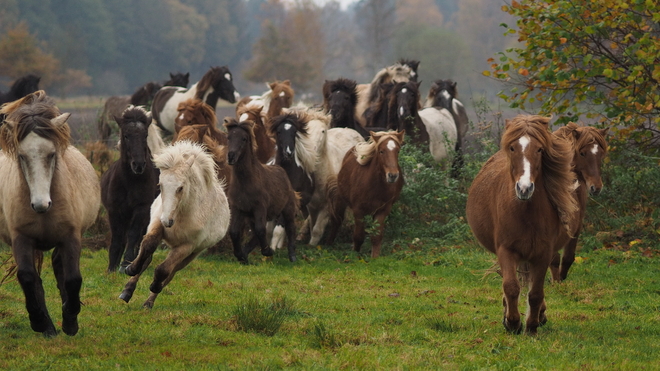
x=595 y=191
x=392 y=177
x=41 y=206
x=167 y=222
x=524 y=193
x=231 y=158
x=138 y=168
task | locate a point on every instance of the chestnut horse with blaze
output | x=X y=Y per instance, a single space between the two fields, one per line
x=369 y=182
x=521 y=207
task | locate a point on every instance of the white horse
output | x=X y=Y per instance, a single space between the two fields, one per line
x=190 y=215
x=442 y=131
x=49 y=195
x=216 y=84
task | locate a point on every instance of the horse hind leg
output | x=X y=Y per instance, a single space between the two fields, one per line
x=511 y=288
x=568 y=257
x=178 y=258
x=130 y=286
x=32 y=286
x=359 y=233
x=138 y=228
x=377 y=240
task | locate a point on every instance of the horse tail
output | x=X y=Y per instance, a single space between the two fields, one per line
x=331 y=191
x=297 y=198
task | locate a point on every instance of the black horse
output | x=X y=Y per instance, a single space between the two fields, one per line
x=129 y=187
x=339 y=99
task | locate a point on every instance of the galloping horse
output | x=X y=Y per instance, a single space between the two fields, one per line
x=521 y=207
x=278 y=96
x=20 y=88
x=196 y=112
x=257 y=193
x=201 y=134
x=398 y=105
x=190 y=214
x=368 y=93
x=128 y=187
x=215 y=84
x=443 y=94
x=589 y=149
x=339 y=100
x=369 y=182
x=49 y=195
x=143 y=96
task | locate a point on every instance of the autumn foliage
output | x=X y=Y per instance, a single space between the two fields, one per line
x=597 y=58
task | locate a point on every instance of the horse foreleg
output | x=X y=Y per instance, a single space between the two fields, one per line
x=336 y=219
x=117 y=242
x=130 y=286
x=322 y=220
x=28 y=277
x=177 y=259
x=148 y=246
x=536 y=297
x=259 y=231
x=138 y=227
x=568 y=257
x=377 y=240
x=235 y=233
x=290 y=227
x=358 y=232
x=66 y=264
x=511 y=287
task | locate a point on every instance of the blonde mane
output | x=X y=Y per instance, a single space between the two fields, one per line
x=364 y=151
x=558 y=178
x=174 y=158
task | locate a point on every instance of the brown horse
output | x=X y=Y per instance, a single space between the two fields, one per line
x=369 y=182
x=49 y=195
x=265 y=143
x=196 y=112
x=280 y=95
x=589 y=149
x=200 y=134
x=257 y=193
x=521 y=207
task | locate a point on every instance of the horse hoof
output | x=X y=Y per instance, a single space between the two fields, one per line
x=292 y=258
x=122 y=270
x=148 y=305
x=130 y=270
x=70 y=326
x=50 y=332
x=267 y=251
x=512 y=329
x=125 y=296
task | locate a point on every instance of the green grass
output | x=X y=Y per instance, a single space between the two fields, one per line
x=340 y=310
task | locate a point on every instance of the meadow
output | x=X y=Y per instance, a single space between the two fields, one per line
x=431 y=301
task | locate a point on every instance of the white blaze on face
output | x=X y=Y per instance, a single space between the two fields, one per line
x=404 y=90
x=228 y=76
x=37 y=157
x=401 y=111
x=288 y=127
x=181 y=117
x=525 y=179
x=243 y=117
x=445 y=94
x=594 y=150
x=391 y=145
x=170 y=197
x=281 y=94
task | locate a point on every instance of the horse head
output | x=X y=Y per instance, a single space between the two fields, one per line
x=285 y=129
x=36 y=135
x=590 y=148
x=413 y=65
x=218 y=82
x=178 y=79
x=339 y=99
x=240 y=139
x=281 y=97
x=134 y=126
x=403 y=105
x=442 y=94
x=387 y=147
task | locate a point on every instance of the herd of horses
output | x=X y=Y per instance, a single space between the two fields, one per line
x=274 y=160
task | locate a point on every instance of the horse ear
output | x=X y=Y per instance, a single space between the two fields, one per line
x=272 y=85
x=454 y=84
x=400 y=135
x=191 y=160
x=149 y=118
x=603 y=132
x=418 y=84
x=375 y=136
x=287 y=82
x=60 y=120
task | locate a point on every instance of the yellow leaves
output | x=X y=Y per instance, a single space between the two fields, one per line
x=486 y=73
x=614 y=45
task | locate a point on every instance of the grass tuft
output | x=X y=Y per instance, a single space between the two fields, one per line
x=253 y=315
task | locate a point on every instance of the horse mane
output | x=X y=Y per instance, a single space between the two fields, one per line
x=136 y=113
x=306 y=152
x=32 y=113
x=206 y=82
x=364 y=151
x=558 y=178
x=175 y=157
x=341 y=84
x=195 y=104
x=247 y=125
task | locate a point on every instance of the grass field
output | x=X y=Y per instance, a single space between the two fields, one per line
x=432 y=309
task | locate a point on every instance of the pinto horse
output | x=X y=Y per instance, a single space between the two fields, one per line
x=190 y=214
x=257 y=193
x=266 y=146
x=49 y=195
x=443 y=94
x=339 y=100
x=128 y=188
x=216 y=84
x=369 y=93
x=143 y=96
x=369 y=182
x=196 y=112
x=397 y=108
x=20 y=88
x=589 y=150
x=278 y=96
x=521 y=207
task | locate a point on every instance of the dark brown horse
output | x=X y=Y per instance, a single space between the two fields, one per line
x=196 y=112
x=265 y=143
x=257 y=193
x=201 y=134
x=49 y=195
x=589 y=150
x=521 y=207
x=129 y=187
x=20 y=88
x=369 y=182
x=339 y=99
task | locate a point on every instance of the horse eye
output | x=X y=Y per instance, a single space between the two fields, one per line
x=245 y=139
x=381 y=152
x=582 y=154
x=540 y=150
x=51 y=156
x=178 y=190
x=511 y=148
x=21 y=158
